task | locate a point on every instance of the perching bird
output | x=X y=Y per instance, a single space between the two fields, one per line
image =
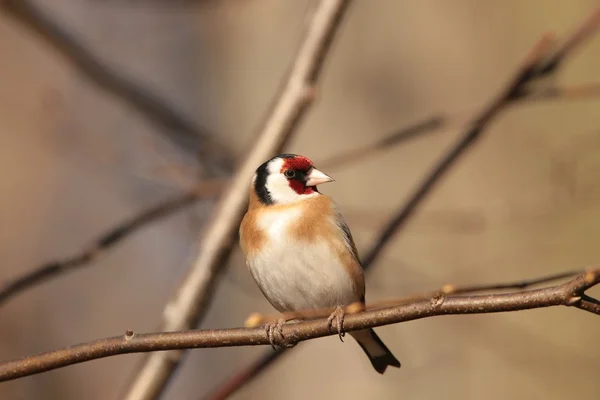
x=299 y=249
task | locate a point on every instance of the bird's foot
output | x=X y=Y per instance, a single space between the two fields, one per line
x=274 y=331
x=337 y=315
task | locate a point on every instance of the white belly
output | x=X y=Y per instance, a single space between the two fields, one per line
x=295 y=276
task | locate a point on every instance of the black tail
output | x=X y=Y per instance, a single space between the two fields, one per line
x=377 y=352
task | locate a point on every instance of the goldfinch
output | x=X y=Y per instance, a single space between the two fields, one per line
x=300 y=251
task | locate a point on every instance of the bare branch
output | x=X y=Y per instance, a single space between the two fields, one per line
x=213 y=187
x=27 y=14
x=581 y=33
x=107 y=240
x=523 y=75
x=533 y=67
x=540 y=62
x=204 y=189
x=54 y=269
x=589 y=304
x=428 y=125
x=566 y=294
x=181 y=131
x=576 y=92
x=257 y=319
x=187 y=307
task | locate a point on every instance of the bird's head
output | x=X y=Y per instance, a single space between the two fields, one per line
x=287 y=178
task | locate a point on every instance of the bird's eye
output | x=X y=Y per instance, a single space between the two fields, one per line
x=289 y=173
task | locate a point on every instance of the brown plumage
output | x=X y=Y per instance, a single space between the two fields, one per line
x=311 y=227
x=299 y=249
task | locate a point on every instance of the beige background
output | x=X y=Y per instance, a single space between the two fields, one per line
x=76 y=160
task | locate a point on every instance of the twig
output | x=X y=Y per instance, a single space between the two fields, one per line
x=187 y=307
x=581 y=33
x=589 y=304
x=538 y=63
x=428 y=125
x=53 y=269
x=566 y=294
x=524 y=284
x=575 y=92
x=181 y=131
x=257 y=319
x=107 y=240
x=524 y=74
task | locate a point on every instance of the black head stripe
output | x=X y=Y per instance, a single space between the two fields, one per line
x=260 y=185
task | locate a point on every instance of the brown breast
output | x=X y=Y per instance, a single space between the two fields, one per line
x=317 y=223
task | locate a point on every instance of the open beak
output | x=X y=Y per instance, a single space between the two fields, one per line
x=316 y=177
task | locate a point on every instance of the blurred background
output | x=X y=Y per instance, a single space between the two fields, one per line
x=77 y=159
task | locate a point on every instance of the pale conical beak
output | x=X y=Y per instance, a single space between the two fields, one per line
x=316 y=177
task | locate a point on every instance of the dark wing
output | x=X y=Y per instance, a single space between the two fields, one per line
x=348 y=235
x=341 y=224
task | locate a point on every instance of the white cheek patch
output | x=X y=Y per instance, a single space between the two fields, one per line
x=279 y=187
x=280 y=190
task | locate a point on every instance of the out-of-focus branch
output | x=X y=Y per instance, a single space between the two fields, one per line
x=572 y=42
x=187 y=307
x=107 y=240
x=184 y=133
x=575 y=92
x=525 y=73
x=540 y=62
x=428 y=125
x=117 y=234
x=432 y=124
x=571 y=293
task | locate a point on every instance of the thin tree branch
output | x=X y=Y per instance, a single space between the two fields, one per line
x=524 y=74
x=566 y=294
x=432 y=124
x=539 y=63
x=107 y=240
x=428 y=125
x=575 y=92
x=186 y=309
x=586 y=29
x=165 y=209
x=589 y=304
x=258 y=319
x=181 y=131
x=524 y=284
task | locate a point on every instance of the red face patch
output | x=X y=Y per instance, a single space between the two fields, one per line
x=297 y=163
x=302 y=164
x=300 y=188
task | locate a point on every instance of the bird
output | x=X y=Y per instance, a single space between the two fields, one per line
x=300 y=251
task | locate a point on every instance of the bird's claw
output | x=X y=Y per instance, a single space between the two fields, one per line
x=274 y=331
x=337 y=315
